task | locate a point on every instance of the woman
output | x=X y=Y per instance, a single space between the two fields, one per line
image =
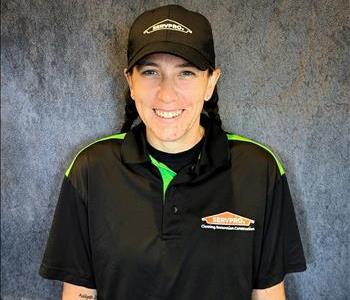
x=173 y=208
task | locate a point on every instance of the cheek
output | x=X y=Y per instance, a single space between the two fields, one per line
x=199 y=89
x=195 y=96
x=144 y=95
x=142 y=109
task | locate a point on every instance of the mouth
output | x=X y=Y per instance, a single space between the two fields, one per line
x=168 y=114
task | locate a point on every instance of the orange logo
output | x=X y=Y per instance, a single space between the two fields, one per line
x=228 y=218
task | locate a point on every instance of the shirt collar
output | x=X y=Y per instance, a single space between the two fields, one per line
x=214 y=154
x=134 y=147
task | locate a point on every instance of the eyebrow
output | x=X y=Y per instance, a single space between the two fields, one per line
x=144 y=62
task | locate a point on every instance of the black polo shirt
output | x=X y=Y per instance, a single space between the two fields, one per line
x=131 y=228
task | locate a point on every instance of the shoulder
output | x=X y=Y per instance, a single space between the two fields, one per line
x=96 y=150
x=253 y=151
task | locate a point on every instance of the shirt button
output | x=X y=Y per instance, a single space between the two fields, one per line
x=176 y=210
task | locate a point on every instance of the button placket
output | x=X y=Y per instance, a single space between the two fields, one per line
x=172 y=209
x=172 y=218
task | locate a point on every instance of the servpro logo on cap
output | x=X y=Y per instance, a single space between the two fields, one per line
x=228 y=221
x=167 y=24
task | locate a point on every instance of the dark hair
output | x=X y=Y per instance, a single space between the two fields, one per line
x=210 y=107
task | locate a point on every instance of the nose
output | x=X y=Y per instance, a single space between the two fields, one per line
x=167 y=92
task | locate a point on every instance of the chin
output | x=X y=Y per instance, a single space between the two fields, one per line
x=168 y=136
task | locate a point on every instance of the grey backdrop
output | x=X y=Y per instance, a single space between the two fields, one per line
x=285 y=83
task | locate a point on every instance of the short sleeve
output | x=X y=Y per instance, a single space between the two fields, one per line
x=281 y=250
x=68 y=254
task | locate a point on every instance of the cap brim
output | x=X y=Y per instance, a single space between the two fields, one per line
x=181 y=50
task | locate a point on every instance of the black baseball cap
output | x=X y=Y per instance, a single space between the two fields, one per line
x=175 y=30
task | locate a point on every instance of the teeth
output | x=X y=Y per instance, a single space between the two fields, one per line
x=168 y=114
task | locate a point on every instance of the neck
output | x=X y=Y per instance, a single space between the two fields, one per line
x=177 y=145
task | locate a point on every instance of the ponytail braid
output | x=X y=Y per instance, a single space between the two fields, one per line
x=130 y=112
x=212 y=109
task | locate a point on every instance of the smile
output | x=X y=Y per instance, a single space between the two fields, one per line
x=168 y=114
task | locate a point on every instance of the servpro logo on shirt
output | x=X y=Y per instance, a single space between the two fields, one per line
x=228 y=221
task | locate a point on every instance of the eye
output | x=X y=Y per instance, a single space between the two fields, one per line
x=149 y=73
x=187 y=73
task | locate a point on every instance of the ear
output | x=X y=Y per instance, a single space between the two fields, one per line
x=213 y=80
x=129 y=80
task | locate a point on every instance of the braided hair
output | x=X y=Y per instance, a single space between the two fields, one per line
x=210 y=107
x=130 y=114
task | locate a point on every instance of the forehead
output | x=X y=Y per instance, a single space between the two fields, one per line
x=155 y=59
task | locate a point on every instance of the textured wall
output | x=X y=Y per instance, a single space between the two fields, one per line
x=285 y=83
